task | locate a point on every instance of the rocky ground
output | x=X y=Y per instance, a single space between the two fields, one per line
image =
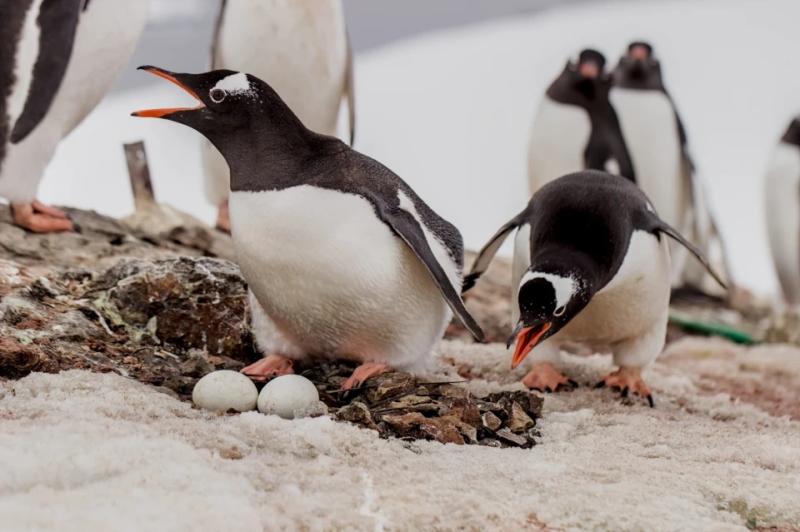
x=157 y=300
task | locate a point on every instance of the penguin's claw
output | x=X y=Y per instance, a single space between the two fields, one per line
x=269 y=367
x=627 y=380
x=40 y=218
x=544 y=377
x=362 y=373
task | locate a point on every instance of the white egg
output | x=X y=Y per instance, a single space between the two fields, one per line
x=225 y=390
x=290 y=396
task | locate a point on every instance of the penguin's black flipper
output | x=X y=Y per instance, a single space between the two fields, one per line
x=668 y=230
x=487 y=253
x=408 y=229
x=350 y=92
x=58 y=22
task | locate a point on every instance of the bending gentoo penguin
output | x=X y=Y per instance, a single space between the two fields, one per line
x=575 y=127
x=783 y=211
x=656 y=139
x=58 y=58
x=300 y=48
x=342 y=258
x=591 y=265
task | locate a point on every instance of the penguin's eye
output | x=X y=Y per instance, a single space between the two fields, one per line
x=560 y=311
x=217 y=95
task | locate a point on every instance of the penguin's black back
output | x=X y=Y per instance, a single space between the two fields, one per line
x=11 y=22
x=587 y=214
x=792 y=134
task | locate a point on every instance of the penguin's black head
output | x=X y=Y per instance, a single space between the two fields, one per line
x=229 y=103
x=591 y=63
x=547 y=302
x=639 y=63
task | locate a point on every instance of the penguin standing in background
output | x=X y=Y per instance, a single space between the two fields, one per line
x=575 y=126
x=783 y=211
x=58 y=58
x=591 y=265
x=300 y=48
x=343 y=259
x=657 y=143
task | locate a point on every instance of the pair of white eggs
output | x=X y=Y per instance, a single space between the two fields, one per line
x=288 y=396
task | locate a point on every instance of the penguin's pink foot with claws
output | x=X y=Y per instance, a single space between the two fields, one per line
x=628 y=380
x=40 y=218
x=544 y=377
x=269 y=367
x=362 y=373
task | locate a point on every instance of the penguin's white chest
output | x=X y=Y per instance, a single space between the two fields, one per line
x=334 y=278
x=649 y=126
x=299 y=47
x=559 y=137
x=633 y=302
x=782 y=193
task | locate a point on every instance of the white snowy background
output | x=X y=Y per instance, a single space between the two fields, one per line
x=450 y=112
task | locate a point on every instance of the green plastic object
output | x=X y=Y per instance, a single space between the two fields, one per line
x=711 y=329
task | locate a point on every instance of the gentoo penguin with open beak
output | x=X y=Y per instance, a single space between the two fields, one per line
x=657 y=143
x=300 y=48
x=58 y=58
x=575 y=127
x=591 y=265
x=342 y=258
x=783 y=211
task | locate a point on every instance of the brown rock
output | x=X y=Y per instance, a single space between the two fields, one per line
x=491 y=421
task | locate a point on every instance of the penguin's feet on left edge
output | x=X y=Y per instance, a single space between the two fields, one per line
x=362 y=373
x=544 y=377
x=627 y=380
x=40 y=218
x=269 y=367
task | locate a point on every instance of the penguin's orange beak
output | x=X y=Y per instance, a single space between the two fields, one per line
x=169 y=76
x=527 y=339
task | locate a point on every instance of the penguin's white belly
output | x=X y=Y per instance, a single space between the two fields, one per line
x=633 y=302
x=783 y=217
x=334 y=278
x=651 y=135
x=299 y=47
x=558 y=142
x=106 y=36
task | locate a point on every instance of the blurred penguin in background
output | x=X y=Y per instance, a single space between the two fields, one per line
x=783 y=211
x=656 y=140
x=575 y=127
x=300 y=48
x=58 y=58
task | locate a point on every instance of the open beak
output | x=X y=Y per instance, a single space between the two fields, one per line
x=527 y=338
x=169 y=76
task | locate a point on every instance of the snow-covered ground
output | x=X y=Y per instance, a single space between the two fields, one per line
x=450 y=112
x=84 y=451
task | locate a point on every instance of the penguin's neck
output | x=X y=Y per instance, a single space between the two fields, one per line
x=274 y=154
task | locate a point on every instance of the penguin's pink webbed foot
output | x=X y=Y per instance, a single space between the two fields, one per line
x=40 y=218
x=269 y=367
x=628 y=380
x=224 y=217
x=362 y=373
x=544 y=377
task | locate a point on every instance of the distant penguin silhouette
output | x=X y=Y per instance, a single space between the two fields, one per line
x=58 y=58
x=782 y=192
x=300 y=48
x=575 y=127
x=658 y=146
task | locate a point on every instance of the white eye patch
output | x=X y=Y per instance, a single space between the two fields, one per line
x=234 y=83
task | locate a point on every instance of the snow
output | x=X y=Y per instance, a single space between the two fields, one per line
x=82 y=451
x=450 y=112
